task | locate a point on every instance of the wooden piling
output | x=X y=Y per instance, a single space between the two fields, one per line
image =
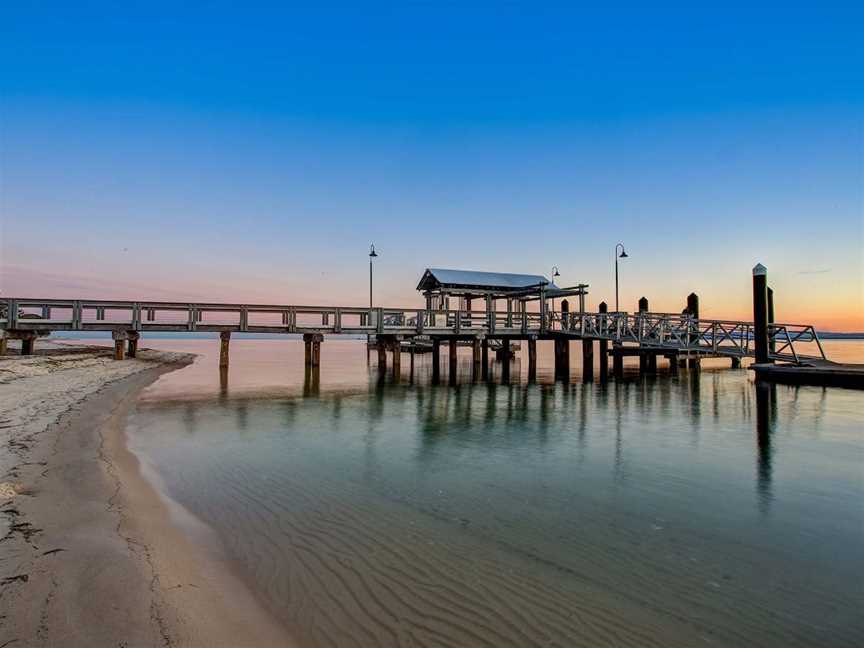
x=4 y=344
x=396 y=348
x=436 y=359
x=532 y=358
x=588 y=360
x=760 y=313
x=693 y=308
x=562 y=358
x=736 y=362
x=381 y=345
x=28 y=344
x=604 y=348
x=484 y=358
x=224 y=345
x=312 y=343
x=119 y=349
x=476 y=353
x=771 y=344
x=643 y=357
x=617 y=361
x=453 y=346
x=132 y=344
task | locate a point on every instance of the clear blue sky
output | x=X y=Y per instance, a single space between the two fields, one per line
x=254 y=151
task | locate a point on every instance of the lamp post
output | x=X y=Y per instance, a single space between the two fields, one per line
x=555 y=273
x=622 y=255
x=372 y=255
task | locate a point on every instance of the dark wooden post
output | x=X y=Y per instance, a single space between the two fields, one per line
x=381 y=345
x=771 y=345
x=28 y=344
x=565 y=314
x=588 y=360
x=760 y=313
x=396 y=347
x=532 y=358
x=693 y=309
x=119 y=344
x=617 y=360
x=484 y=357
x=4 y=343
x=643 y=356
x=452 y=364
x=312 y=342
x=132 y=344
x=562 y=358
x=436 y=359
x=224 y=343
x=604 y=348
x=505 y=360
x=476 y=353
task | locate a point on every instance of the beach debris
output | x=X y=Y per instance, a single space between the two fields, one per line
x=8 y=489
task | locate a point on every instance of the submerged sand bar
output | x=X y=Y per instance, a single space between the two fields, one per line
x=88 y=555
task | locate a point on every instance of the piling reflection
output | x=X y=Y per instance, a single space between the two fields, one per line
x=766 y=416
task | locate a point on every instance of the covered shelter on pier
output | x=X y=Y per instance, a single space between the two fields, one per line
x=438 y=285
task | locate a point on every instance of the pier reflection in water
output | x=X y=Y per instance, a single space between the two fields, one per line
x=367 y=510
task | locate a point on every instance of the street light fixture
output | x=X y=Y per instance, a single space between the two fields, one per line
x=622 y=255
x=372 y=255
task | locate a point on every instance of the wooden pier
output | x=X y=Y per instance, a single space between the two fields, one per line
x=681 y=338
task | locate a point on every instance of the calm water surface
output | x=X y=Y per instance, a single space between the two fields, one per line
x=672 y=510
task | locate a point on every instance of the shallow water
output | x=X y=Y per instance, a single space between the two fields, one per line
x=670 y=510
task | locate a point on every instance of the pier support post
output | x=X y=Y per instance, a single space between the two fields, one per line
x=476 y=354
x=312 y=341
x=562 y=358
x=588 y=360
x=760 y=313
x=506 y=357
x=120 y=338
x=484 y=357
x=604 y=348
x=132 y=344
x=617 y=361
x=436 y=359
x=224 y=344
x=396 y=347
x=736 y=363
x=4 y=343
x=381 y=345
x=532 y=358
x=452 y=352
x=673 y=363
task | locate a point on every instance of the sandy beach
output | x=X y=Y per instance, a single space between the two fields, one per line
x=89 y=552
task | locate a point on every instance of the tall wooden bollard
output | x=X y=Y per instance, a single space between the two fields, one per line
x=760 y=313
x=588 y=360
x=693 y=338
x=643 y=357
x=532 y=358
x=771 y=344
x=224 y=344
x=604 y=348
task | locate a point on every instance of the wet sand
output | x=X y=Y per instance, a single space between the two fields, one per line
x=90 y=555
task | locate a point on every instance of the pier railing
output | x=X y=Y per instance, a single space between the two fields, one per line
x=673 y=331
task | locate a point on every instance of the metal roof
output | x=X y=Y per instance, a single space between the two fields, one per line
x=477 y=279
